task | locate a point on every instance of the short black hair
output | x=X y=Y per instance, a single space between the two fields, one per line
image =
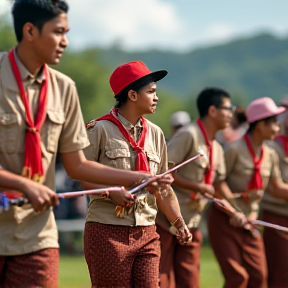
x=209 y=97
x=252 y=125
x=122 y=96
x=37 y=12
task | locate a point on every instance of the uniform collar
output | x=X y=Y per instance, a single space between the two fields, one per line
x=127 y=124
x=7 y=77
x=25 y=74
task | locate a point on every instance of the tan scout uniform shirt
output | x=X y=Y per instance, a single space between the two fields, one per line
x=240 y=169
x=109 y=147
x=270 y=203
x=184 y=144
x=21 y=229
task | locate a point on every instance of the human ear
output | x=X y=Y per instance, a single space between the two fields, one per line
x=212 y=110
x=29 y=31
x=132 y=95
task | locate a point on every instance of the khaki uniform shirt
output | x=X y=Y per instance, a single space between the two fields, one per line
x=240 y=169
x=109 y=147
x=270 y=203
x=184 y=144
x=21 y=229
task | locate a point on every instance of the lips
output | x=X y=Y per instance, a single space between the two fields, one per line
x=59 y=53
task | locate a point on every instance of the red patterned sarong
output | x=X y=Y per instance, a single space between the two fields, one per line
x=34 y=270
x=122 y=256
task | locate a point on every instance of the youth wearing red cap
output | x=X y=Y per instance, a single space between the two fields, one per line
x=121 y=244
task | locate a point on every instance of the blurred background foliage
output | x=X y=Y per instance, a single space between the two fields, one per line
x=248 y=68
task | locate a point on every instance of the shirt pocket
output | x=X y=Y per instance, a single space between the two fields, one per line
x=119 y=158
x=9 y=130
x=54 y=124
x=154 y=163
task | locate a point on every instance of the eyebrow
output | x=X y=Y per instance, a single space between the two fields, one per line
x=59 y=26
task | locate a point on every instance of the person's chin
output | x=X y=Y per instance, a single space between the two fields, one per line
x=224 y=126
x=54 y=61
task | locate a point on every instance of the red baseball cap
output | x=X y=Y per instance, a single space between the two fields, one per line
x=130 y=72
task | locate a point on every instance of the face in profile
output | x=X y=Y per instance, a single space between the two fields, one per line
x=269 y=129
x=50 y=43
x=223 y=114
x=147 y=99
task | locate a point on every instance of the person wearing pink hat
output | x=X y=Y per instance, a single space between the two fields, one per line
x=121 y=244
x=250 y=166
x=275 y=211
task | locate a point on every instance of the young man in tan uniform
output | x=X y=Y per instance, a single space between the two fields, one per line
x=250 y=165
x=124 y=139
x=275 y=210
x=39 y=116
x=180 y=264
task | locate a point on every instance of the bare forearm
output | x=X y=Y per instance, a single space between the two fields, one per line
x=279 y=190
x=168 y=205
x=184 y=183
x=89 y=185
x=222 y=190
x=11 y=181
x=77 y=167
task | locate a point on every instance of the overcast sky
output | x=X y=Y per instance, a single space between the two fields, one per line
x=178 y=25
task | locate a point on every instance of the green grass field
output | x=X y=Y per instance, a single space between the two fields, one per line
x=74 y=272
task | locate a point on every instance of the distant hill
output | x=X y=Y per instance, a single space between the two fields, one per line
x=248 y=68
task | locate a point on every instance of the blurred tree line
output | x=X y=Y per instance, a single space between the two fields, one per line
x=246 y=68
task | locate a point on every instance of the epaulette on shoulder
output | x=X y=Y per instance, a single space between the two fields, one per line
x=91 y=124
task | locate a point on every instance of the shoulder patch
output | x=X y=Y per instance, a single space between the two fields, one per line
x=91 y=124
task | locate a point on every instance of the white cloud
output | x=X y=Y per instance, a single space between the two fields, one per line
x=136 y=24
x=218 y=32
x=4 y=6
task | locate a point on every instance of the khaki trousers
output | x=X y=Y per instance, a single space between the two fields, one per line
x=179 y=264
x=240 y=254
x=276 y=247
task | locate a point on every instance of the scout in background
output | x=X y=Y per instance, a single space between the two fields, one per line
x=236 y=130
x=275 y=210
x=124 y=139
x=180 y=264
x=40 y=115
x=250 y=165
x=178 y=120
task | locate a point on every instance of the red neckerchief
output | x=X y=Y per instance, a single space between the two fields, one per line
x=33 y=167
x=283 y=141
x=210 y=171
x=141 y=160
x=256 y=180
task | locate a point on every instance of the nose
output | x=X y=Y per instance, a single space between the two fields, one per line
x=155 y=98
x=64 y=41
x=277 y=127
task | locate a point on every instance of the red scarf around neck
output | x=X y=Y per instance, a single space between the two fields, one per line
x=33 y=167
x=210 y=171
x=141 y=160
x=283 y=141
x=256 y=180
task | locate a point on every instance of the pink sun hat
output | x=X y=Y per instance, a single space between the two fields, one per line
x=262 y=108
